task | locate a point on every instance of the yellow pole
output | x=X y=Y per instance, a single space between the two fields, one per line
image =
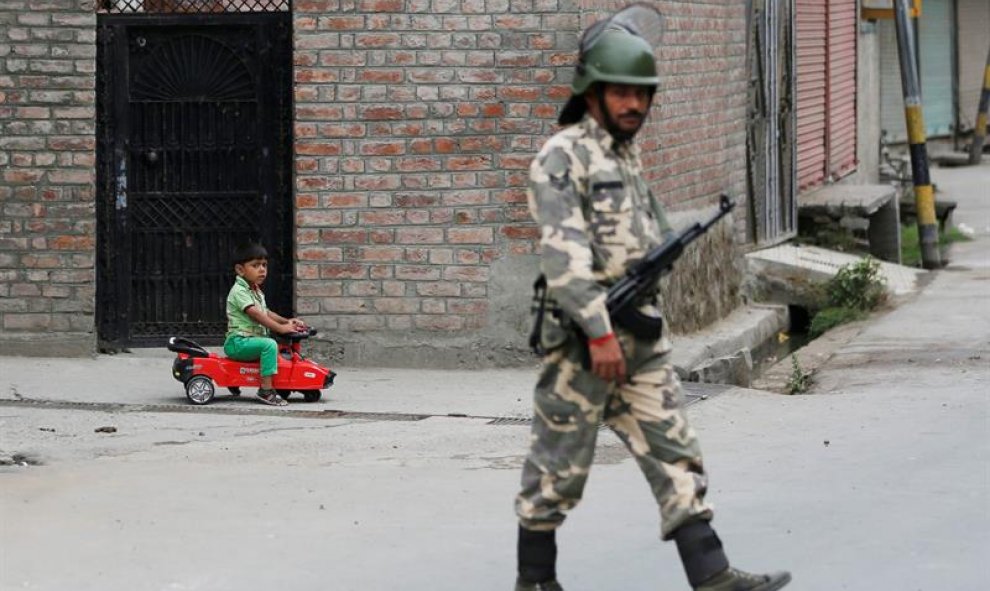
x=980 y=133
x=924 y=194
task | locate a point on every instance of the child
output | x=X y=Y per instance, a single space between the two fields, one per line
x=249 y=320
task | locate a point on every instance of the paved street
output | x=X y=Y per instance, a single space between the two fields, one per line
x=877 y=480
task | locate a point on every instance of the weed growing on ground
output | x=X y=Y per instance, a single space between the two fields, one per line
x=800 y=380
x=855 y=290
x=911 y=248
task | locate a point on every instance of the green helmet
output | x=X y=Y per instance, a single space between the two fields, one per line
x=618 y=50
x=618 y=57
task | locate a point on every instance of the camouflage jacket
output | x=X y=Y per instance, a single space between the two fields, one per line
x=596 y=216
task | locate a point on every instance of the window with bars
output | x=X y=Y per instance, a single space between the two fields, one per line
x=191 y=6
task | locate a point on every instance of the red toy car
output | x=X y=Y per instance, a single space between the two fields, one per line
x=201 y=371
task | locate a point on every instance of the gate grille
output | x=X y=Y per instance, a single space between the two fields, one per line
x=194 y=158
x=192 y=6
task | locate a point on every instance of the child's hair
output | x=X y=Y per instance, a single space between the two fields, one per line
x=248 y=252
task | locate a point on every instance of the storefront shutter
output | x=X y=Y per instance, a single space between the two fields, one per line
x=973 y=22
x=812 y=48
x=826 y=90
x=841 y=87
x=935 y=48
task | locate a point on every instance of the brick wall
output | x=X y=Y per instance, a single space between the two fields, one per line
x=415 y=124
x=47 y=157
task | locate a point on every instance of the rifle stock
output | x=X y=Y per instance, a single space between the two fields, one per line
x=642 y=277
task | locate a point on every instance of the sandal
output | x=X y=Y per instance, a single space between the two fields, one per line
x=272 y=398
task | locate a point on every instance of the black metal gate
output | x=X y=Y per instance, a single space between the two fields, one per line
x=194 y=157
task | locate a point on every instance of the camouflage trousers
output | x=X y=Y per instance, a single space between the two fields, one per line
x=570 y=403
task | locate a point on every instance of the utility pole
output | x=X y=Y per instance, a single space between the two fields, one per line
x=980 y=133
x=924 y=195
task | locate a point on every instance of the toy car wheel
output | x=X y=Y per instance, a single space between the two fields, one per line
x=284 y=394
x=200 y=390
x=312 y=395
x=234 y=390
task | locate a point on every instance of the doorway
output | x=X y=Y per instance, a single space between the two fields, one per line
x=194 y=126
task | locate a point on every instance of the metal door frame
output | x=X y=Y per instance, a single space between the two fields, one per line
x=113 y=135
x=772 y=125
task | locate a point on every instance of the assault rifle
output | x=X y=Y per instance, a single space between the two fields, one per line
x=641 y=279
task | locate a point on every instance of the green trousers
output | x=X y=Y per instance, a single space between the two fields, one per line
x=241 y=348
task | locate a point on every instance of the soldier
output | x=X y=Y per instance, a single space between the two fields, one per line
x=596 y=215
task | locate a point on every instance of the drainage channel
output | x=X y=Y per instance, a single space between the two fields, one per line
x=690 y=398
x=216 y=410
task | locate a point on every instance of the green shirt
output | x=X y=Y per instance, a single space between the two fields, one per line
x=240 y=298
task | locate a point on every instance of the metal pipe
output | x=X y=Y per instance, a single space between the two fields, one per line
x=924 y=195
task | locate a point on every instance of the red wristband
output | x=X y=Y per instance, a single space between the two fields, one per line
x=602 y=340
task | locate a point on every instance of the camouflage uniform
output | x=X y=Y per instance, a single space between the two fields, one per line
x=596 y=216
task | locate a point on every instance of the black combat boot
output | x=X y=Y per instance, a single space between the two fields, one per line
x=708 y=569
x=537 y=556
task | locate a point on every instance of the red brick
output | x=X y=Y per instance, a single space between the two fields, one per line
x=346 y=130
x=418 y=164
x=79 y=177
x=22 y=176
x=466 y=273
x=381 y=6
x=317 y=6
x=381 y=254
x=381 y=218
x=396 y=305
x=307 y=200
x=520 y=93
x=72 y=243
x=319 y=254
x=312 y=183
x=341 y=23
x=318 y=148
x=345 y=200
x=307 y=164
x=469 y=235
x=421 y=146
x=343 y=271
x=377 y=40
x=381 y=236
x=304 y=75
x=383 y=148
x=469 y=163
x=419 y=236
x=381 y=76
x=319 y=112
x=380 y=113
x=318 y=218
x=417 y=272
x=528 y=232
x=344 y=236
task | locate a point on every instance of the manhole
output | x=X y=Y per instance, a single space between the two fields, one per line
x=511 y=421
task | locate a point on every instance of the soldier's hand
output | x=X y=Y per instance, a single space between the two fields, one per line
x=607 y=360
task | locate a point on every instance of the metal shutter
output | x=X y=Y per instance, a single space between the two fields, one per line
x=841 y=87
x=973 y=18
x=812 y=48
x=935 y=39
x=935 y=47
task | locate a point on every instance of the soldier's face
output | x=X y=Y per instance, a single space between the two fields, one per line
x=625 y=105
